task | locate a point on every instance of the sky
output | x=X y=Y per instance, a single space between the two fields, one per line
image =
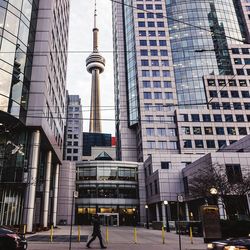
x=80 y=39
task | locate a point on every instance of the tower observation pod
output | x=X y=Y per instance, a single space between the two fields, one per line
x=95 y=64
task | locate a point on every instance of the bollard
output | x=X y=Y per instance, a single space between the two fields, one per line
x=191 y=235
x=135 y=235
x=51 y=233
x=79 y=233
x=107 y=235
x=163 y=235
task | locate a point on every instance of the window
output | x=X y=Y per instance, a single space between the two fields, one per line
x=163 y=43
x=208 y=130
x=69 y=150
x=165 y=165
x=155 y=73
x=172 y=132
x=210 y=144
x=169 y=95
x=150 y=15
x=235 y=51
x=247 y=105
x=234 y=94
x=228 y=118
x=197 y=130
x=239 y=118
x=245 y=51
x=144 y=62
x=166 y=73
x=206 y=118
x=226 y=105
x=150 y=131
x=140 y=15
x=160 y=24
x=163 y=52
x=237 y=105
x=211 y=82
x=187 y=144
x=158 y=7
x=147 y=95
x=245 y=94
x=173 y=145
x=151 y=144
x=161 y=33
x=240 y=72
x=154 y=63
x=144 y=52
x=151 y=24
x=152 y=43
x=231 y=130
x=154 y=52
x=156 y=84
x=222 y=143
x=143 y=42
x=215 y=105
x=142 y=33
x=146 y=84
x=164 y=63
x=149 y=118
x=157 y=95
x=161 y=131
x=145 y=73
x=232 y=83
x=219 y=130
x=233 y=172
x=243 y=83
x=185 y=117
x=217 y=118
x=167 y=84
x=162 y=144
x=149 y=6
x=141 y=24
x=186 y=130
x=224 y=94
x=237 y=61
x=221 y=82
x=198 y=143
x=195 y=117
x=213 y=93
x=75 y=151
x=242 y=131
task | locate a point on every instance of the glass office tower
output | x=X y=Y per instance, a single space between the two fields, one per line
x=181 y=86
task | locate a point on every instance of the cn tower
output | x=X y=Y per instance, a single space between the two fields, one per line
x=95 y=64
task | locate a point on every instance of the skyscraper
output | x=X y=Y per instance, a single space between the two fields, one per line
x=181 y=86
x=95 y=65
x=32 y=100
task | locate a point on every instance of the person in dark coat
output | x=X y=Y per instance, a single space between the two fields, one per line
x=96 y=231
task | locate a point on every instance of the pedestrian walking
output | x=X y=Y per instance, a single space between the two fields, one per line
x=96 y=231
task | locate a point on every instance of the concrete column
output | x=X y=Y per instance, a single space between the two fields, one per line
x=31 y=188
x=222 y=210
x=157 y=212
x=248 y=202
x=163 y=213
x=187 y=211
x=47 y=189
x=55 y=194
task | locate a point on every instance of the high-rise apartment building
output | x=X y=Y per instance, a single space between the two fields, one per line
x=182 y=81
x=32 y=108
x=74 y=126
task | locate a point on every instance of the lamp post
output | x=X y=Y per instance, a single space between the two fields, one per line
x=146 y=207
x=75 y=195
x=166 y=212
x=213 y=191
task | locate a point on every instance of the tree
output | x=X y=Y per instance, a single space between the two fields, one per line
x=215 y=176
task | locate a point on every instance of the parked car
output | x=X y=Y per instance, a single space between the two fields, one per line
x=230 y=244
x=10 y=240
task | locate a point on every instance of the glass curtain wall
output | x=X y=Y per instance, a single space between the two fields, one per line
x=200 y=52
x=17 y=29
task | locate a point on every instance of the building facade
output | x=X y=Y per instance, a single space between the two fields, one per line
x=33 y=99
x=181 y=86
x=74 y=126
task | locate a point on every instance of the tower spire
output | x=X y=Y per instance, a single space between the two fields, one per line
x=95 y=31
x=95 y=65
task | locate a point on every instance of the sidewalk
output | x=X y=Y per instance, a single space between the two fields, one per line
x=120 y=238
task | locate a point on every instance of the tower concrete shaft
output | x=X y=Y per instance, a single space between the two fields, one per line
x=95 y=64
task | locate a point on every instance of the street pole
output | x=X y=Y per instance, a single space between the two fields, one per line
x=179 y=199
x=167 y=220
x=75 y=195
x=146 y=206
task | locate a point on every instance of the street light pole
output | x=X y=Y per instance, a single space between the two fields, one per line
x=75 y=195
x=146 y=207
x=167 y=220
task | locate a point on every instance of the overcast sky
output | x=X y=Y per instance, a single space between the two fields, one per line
x=80 y=39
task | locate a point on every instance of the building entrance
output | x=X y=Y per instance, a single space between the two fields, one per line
x=109 y=219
